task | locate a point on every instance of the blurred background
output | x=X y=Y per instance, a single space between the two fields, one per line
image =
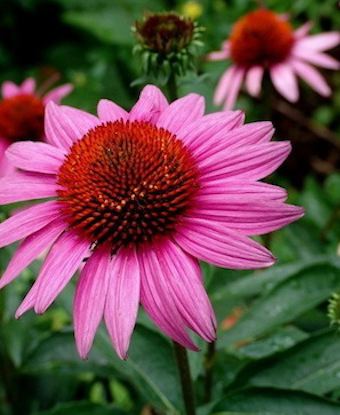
x=282 y=312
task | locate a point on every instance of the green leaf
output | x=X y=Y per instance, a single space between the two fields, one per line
x=82 y=408
x=312 y=366
x=279 y=341
x=285 y=302
x=274 y=402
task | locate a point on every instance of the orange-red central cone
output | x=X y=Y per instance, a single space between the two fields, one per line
x=22 y=118
x=126 y=182
x=261 y=38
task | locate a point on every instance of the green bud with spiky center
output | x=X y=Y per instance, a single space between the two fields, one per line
x=168 y=44
x=334 y=310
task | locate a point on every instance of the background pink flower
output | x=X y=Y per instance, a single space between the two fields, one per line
x=263 y=40
x=141 y=197
x=22 y=114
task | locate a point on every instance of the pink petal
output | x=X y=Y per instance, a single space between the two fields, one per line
x=312 y=77
x=248 y=162
x=89 y=300
x=240 y=190
x=285 y=81
x=35 y=156
x=28 y=301
x=210 y=242
x=63 y=126
x=303 y=31
x=320 y=42
x=28 y=221
x=30 y=249
x=109 y=111
x=317 y=58
x=218 y=55
x=182 y=276
x=224 y=84
x=254 y=80
x=234 y=89
x=18 y=188
x=63 y=260
x=57 y=94
x=150 y=105
x=122 y=301
x=248 y=134
x=247 y=217
x=156 y=299
x=28 y=86
x=181 y=112
x=9 y=89
x=5 y=166
x=200 y=132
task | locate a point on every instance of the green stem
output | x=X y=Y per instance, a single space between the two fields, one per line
x=185 y=376
x=172 y=87
x=208 y=376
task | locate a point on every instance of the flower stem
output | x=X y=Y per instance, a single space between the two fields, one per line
x=172 y=87
x=208 y=376
x=186 y=381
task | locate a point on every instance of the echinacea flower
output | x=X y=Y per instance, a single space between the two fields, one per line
x=22 y=114
x=264 y=41
x=139 y=198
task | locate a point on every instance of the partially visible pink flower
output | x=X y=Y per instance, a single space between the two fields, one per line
x=264 y=41
x=140 y=197
x=22 y=114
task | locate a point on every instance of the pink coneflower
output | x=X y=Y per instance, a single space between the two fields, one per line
x=139 y=198
x=22 y=114
x=262 y=40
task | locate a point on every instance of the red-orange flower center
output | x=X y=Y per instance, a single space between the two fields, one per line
x=126 y=183
x=261 y=38
x=22 y=118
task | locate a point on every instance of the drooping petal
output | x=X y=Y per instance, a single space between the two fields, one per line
x=5 y=166
x=150 y=105
x=224 y=84
x=321 y=41
x=181 y=112
x=122 y=300
x=182 y=276
x=317 y=58
x=57 y=94
x=245 y=135
x=63 y=260
x=36 y=157
x=28 y=221
x=303 y=30
x=110 y=111
x=89 y=300
x=252 y=162
x=219 y=55
x=156 y=300
x=18 y=188
x=285 y=81
x=216 y=244
x=246 y=217
x=240 y=190
x=312 y=77
x=28 y=86
x=254 y=80
x=30 y=249
x=61 y=128
x=9 y=89
x=202 y=131
x=234 y=89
